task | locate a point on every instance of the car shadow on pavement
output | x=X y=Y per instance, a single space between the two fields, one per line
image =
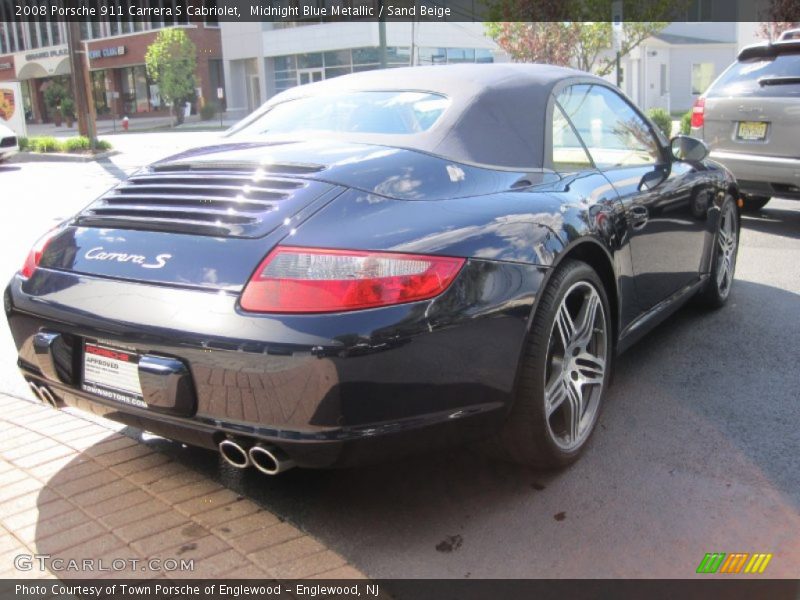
x=700 y=413
x=774 y=220
x=8 y=168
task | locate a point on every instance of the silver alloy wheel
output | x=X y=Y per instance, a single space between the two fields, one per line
x=727 y=240
x=575 y=367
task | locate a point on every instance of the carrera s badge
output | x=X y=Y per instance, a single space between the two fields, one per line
x=99 y=253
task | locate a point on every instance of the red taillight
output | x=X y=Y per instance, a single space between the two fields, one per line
x=35 y=254
x=313 y=280
x=698 y=112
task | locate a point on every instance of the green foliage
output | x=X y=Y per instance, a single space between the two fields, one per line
x=50 y=144
x=68 y=107
x=55 y=94
x=686 y=123
x=76 y=144
x=208 y=111
x=574 y=32
x=171 y=63
x=662 y=119
x=45 y=144
x=23 y=143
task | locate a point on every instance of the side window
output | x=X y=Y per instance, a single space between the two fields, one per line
x=612 y=130
x=568 y=152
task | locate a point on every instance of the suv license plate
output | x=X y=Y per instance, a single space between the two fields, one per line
x=751 y=131
x=112 y=373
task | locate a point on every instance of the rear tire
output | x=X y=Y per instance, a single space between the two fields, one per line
x=754 y=203
x=563 y=375
x=717 y=289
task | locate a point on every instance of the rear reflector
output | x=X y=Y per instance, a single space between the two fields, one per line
x=35 y=254
x=313 y=280
x=698 y=112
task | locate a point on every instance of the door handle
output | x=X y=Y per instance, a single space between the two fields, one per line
x=639 y=216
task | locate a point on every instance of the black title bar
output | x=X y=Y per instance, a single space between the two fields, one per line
x=310 y=11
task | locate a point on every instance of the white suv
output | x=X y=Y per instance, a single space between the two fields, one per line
x=750 y=118
x=8 y=142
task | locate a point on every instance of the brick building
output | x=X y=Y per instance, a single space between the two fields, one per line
x=35 y=53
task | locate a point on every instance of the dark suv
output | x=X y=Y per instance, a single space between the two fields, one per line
x=750 y=118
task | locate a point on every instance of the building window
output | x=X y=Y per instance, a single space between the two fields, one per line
x=444 y=56
x=135 y=93
x=216 y=78
x=99 y=92
x=702 y=76
x=699 y=10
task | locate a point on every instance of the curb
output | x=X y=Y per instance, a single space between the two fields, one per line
x=23 y=157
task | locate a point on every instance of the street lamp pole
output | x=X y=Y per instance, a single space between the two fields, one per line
x=382 y=35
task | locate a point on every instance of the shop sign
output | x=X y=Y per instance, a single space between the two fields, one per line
x=107 y=52
x=46 y=54
x=6 y=66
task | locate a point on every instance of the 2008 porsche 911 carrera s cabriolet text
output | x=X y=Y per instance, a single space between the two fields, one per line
x=382 y=263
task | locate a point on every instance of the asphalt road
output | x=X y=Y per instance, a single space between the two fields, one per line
x=696 y=449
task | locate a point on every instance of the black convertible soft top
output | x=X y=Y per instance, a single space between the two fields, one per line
x=496 y=117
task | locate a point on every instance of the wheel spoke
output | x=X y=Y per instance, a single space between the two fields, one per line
x=555 y=394
x=575 y=402
x=584 y=323
x=724 y=240
x=721 y=272
x=566 y=328
x=591 y=368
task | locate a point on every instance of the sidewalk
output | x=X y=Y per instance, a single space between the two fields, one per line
x=139 y=124
x=73 y=488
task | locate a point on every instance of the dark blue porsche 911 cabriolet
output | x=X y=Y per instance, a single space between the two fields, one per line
x=380 y=264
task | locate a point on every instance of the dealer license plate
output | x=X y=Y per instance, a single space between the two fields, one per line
x=112 y=373
x=751 y=131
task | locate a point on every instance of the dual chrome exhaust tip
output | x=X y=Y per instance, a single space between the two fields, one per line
x=267 y=459
x=44 y=395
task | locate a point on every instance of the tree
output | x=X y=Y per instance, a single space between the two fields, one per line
x=171 y=63
x=576 y=33
x=540 y=42
x=781 y=14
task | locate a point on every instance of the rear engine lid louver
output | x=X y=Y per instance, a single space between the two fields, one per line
x=224 y=200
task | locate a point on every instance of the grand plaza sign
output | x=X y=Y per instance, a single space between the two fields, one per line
x=42 y=63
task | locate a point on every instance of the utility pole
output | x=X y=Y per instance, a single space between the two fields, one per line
x=617 y=33
x=381 y=35
x=78 y=62
x=413 y=37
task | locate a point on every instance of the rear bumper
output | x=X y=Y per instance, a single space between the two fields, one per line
x=330 y=390
x=762 y=175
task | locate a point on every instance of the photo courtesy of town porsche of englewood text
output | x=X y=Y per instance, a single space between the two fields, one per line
x=399 y=299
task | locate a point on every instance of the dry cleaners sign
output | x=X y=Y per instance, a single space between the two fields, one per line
x=107 y=52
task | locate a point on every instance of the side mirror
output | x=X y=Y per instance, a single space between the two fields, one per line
x=688 y=149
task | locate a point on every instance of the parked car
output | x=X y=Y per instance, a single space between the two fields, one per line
x=9 y=144
x=379 y=264
x=750 y=118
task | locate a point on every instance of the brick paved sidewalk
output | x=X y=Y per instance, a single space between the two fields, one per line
x=74 y=488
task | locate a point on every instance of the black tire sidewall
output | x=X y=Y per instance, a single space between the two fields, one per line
x=531 y=390
x=712 y=294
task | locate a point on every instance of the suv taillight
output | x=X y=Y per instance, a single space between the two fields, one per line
x=35 y=254
x=314 y=280
x=698 y=112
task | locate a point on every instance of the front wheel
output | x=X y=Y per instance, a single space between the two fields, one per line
x=564 y=372
x=723 y=262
